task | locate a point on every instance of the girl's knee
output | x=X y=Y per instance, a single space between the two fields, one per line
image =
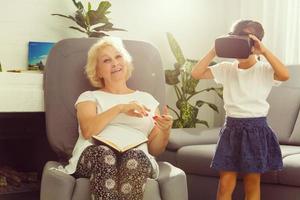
x=227 y=182
x=226 y=186
x=253 y=177
x=252 y=180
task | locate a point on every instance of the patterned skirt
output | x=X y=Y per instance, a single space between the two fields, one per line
x=247 y=145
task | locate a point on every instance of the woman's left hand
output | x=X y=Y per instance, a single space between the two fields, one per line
x=258 y=47
x=163 y=122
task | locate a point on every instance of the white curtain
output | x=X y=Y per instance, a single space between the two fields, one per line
x=281 y=21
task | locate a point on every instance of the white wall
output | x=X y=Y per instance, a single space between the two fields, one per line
x=29 y=20
x=194 y=23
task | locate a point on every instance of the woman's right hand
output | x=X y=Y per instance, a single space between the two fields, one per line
x=134 y=109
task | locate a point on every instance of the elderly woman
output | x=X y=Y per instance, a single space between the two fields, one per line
x=114 y=107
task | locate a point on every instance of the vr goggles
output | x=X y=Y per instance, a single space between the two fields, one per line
x=234 y=46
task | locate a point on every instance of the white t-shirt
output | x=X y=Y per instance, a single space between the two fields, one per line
x=245 y=90
x=104 y=101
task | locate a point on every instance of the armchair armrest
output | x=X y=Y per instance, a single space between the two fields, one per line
x=172 y=182
x=192 y=136
x=55 y=184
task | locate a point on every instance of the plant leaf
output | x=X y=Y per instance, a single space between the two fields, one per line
x=89 y=6
x=212 y=63
x=192 y=61
x=76 y=28
x=213 y=106
x=103 y=7
x=175 y=48
x=177 y=123
x=179 y=103
x=177 y=66
x=78 y=4
x=96 y=34
x=68 y=17
x=219 y=91
x=171 y=76
x=107 y=27
x=116 y=29
x=189 y=84
x=170 y=108
x=188 y=114
x=80 y=19
x=188 y=66
x=202 y=122
x=200 y=103
x=96 y=18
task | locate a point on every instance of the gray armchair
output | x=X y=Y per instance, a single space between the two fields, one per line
x=64 y=80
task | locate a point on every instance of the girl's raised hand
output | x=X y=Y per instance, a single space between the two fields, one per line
x=258 y=47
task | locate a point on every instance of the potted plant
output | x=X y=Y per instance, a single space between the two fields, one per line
x=185 y=88
x=93 y=23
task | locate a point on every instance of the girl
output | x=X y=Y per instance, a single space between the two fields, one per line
x=247 y=144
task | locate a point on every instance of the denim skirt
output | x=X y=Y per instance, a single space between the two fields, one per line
x=247 y=145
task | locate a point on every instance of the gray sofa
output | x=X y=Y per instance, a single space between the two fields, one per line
x=192 y=149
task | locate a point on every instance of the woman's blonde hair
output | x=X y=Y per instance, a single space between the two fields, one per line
x=92 y=60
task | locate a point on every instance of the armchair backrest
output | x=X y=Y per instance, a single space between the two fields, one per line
x=65 y=80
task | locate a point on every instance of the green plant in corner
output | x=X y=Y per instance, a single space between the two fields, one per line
x=94 y=23
x=185 y=88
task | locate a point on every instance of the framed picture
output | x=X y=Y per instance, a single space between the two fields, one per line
x=37 y=54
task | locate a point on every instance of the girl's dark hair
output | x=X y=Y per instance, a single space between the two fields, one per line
x=255 y=28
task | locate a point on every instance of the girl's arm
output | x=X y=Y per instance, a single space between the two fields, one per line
x=281 y=73
x=201 y=69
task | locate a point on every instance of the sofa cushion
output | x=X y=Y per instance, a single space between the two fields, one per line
x=288 y=150
x=290 y=175
x=295 y=137
x=196 y=159
x=284 y=107
x=192 y=136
